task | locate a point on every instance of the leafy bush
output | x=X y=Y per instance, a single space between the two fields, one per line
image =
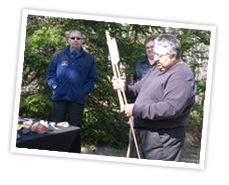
x=36 y=106
x=101 y=128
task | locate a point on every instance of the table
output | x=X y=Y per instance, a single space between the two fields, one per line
x=65 y=139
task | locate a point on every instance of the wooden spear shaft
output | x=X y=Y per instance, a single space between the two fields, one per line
x=112 y=46
x=130 y=120
x=119 y=93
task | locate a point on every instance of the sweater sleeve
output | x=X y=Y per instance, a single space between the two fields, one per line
x=51 y=74
x=177 y=96
x=133 y=90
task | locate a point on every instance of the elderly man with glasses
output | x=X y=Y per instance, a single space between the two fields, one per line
x=164 y=98
x=71 y=75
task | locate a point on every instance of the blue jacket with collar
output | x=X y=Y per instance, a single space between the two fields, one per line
x=73 y=77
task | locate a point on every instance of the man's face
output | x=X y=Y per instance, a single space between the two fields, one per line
x=75 y=40
x=162 y=58
x=150 y=49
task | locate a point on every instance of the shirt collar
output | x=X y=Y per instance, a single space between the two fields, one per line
x=150 y=65
x=71 y=51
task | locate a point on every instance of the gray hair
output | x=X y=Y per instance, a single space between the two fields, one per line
x=74 y=31
x=171 y=43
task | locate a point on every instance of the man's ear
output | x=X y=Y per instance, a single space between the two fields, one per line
x=174 y=56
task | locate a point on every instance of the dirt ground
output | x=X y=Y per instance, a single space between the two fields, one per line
x=190 y=154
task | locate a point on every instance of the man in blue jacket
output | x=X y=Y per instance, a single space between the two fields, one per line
x=71 y=75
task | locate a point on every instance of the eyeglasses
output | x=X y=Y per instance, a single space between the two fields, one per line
x=160 y=56
x=150 y=47
x=77 y=38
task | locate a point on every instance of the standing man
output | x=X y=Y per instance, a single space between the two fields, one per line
x=145 y=63
x=164 y=99
x=71 y=75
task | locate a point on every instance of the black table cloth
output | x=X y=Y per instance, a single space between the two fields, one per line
x=65 y=139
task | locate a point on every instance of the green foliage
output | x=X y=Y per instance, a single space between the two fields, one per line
x=195 y=117
x=103 y=129
x=103 y=124
x=34 y=69
x=36 y=106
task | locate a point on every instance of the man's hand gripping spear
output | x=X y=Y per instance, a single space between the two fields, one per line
x=119 y=85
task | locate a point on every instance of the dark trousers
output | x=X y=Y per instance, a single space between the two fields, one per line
x=161 y=144
x=74 y=111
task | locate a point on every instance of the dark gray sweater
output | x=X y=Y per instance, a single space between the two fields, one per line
x=164 y=98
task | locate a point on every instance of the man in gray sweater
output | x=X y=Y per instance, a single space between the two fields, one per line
x=164 y=98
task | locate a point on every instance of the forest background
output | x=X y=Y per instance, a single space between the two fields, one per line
x=104 y=124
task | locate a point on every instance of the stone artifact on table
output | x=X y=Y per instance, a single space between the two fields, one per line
x=39 y=127
x=53 y=124
x=63 y=124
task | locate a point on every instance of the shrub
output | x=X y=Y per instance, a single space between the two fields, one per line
x=36 y=106
x=101 y=128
